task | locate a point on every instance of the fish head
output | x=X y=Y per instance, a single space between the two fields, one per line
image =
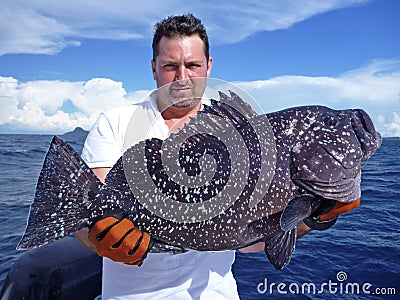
x=330 y=149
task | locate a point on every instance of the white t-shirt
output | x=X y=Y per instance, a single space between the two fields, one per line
x=190 y=275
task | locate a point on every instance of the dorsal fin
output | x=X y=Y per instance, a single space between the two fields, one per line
x=230 y=107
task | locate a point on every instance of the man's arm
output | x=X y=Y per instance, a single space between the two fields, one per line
x=101 y=173
x=329 y=216
x=302 y=229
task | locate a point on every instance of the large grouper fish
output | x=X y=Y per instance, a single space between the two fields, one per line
x=228 y=179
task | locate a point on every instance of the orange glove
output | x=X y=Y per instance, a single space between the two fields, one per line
x=326 y=216
x=338 y=209
x=120 y=240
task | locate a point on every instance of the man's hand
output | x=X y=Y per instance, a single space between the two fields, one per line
x=338 y=209
x=326 y=216
x=120 y=240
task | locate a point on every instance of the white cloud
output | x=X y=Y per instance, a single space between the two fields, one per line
x=374 y=88
x=40 y=105
x=49 y=26
x=47 y=95
x=391 y=127
x=99 y=94
x=371 y=86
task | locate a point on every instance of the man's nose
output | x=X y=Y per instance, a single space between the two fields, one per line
x=182 y=73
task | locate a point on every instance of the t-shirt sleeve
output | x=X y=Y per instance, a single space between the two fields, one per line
x=102 y=147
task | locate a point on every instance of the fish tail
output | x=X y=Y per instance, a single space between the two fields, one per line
x=64 y=193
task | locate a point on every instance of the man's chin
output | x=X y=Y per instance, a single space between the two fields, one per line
x=185 y=103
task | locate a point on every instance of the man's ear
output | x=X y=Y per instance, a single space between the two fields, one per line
x=209 y=66
x=153 y=68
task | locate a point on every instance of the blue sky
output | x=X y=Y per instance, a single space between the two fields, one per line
x=62 y=62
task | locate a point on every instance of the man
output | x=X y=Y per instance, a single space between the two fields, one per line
x=180 y=53
x=180 y=57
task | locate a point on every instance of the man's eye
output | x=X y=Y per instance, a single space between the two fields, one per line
x=169 y=66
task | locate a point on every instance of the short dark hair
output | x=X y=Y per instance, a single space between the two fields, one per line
x=185 y=25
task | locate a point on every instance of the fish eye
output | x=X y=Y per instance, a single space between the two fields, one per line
x=330 y=120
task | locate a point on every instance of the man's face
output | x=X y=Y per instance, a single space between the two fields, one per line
x=182 y=64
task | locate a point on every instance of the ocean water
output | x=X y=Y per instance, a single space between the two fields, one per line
x=358 y=258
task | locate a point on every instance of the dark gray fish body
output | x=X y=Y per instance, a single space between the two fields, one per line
x=316 y=153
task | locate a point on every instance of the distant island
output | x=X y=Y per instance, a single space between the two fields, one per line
x=76 y=131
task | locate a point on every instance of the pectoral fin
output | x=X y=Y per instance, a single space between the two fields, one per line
x=279 y=248
x=298 y=209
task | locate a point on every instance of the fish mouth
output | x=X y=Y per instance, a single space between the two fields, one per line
x=361 y=142
x=369 y=139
